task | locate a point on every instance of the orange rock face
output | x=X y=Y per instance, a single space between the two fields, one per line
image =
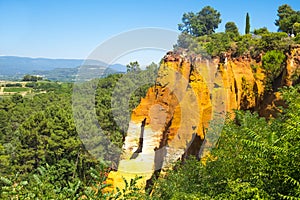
x=292 y=71
x=190 y=94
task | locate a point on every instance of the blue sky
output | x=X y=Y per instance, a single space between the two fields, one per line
x=73 y=29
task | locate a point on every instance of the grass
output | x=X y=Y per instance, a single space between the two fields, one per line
x=16 y=89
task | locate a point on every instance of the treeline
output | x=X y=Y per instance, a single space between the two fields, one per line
x=198 y=34
x=270 y=48
x=32 y=78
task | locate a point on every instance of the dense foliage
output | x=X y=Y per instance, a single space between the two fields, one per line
x=287 y=19
x=273 y=63
x=202 y=23
x=39 y=131
x=32 y=78
x=42 y=155
x=254 y=44
x=247 y=28
x=254 y=159
x=230 y=27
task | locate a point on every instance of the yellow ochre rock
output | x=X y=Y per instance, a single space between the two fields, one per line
x=174 y=118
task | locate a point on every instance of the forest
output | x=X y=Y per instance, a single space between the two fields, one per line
x=43 y=157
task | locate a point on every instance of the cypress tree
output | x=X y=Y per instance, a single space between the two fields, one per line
x=247 y=30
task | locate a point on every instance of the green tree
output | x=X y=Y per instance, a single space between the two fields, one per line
x=273 y=41
x=202 y=23
x=220 y=43
x=261 y=31
x=247 y=29
x=133 y=67
x=31 y=78
x=272 y=63
x=245 y=44
x=185 y=40
x=287 y=17
x=4 y=158
x=230 y=27
x=296 y=28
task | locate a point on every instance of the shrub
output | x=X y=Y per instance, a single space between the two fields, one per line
x=31 y=85
x=274 y=41
x=13 y=85
x=272 y=63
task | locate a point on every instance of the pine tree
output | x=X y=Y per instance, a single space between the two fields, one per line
x=247 y=30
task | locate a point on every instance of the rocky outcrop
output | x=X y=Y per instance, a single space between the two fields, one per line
x=291 y=73
x=180 y=113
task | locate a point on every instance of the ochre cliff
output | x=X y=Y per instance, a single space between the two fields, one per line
x=191 y=92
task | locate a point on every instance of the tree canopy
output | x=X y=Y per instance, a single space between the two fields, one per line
x=230 y=27
x=261 y=31
x=202 y=23
x=32 y=78
x=287 y=17
x=133 y=67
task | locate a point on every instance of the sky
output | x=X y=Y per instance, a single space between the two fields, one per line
x=74 y=29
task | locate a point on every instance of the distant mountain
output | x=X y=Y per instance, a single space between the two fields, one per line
x=12 y=67
x=81 y=73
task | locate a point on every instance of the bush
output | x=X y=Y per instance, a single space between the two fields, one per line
x=31 y=78
x=272 y=63
x=31 y=85
x=221 y=43
x=297 y=39
x=13 y=85
x=246 y=44
x=274 y=41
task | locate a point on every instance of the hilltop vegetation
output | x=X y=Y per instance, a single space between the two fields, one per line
x=198 y=34
x=43 y=157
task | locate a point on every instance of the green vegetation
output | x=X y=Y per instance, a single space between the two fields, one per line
x=29 y=89
x=13 y=85
x=15 y=89
x=247 y=28
x=202 y=23
x=219 y=43
x=41 y=153
x=216 y=44
x=261 y=31
x=31 y=85
x=32 y=78
x=133 y=67
x=273 y=63
x=43 y=157
x=296 y=28
x=287 y=19
x=230 y=27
